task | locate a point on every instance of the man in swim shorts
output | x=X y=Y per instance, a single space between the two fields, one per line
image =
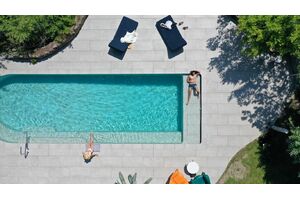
x=192 y=81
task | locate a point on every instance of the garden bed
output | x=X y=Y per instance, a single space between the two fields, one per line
x=52 y=47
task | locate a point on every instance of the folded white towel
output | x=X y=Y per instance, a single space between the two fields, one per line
x=129 y=37
x=167 y=24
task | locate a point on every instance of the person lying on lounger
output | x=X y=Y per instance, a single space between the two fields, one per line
x=89 y=153
x=192 y=81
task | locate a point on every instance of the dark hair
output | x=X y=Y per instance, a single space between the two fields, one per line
x=193 y=72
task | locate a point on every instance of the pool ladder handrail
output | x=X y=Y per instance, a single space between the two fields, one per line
x=26 y=147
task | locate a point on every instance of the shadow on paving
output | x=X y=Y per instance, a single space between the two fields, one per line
x=263 y=83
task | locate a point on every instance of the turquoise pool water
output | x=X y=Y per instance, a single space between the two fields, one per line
x=114 y=107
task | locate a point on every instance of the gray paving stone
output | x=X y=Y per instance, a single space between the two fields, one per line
x=239 y=140
x=132 y=162
x=59 y=172
x=207 y=152
x=236 y=120
x=163 y=172
x=218 y=140
x=103 y=23
x=108 y=162
x=228 y=130
x=215 y=119
x=153 y=161
x=226 y=151
x=215 y=161
x=175 y=162
x=78 y=45
x=9 y=180
x=158 y=181
x=245 y=130
x=142 y=173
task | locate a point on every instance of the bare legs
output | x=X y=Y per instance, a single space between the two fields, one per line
x=189 y=95
x=198 y=92
x=190 y=90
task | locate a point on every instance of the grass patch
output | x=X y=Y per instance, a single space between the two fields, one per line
x=244 y=167
x=265 y=160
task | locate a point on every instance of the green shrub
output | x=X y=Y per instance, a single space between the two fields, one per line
x=294 y=144
x=131 y=179
x=20 y=35
x=275 y=35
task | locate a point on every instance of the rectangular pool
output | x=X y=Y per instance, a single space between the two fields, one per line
x=116 y=108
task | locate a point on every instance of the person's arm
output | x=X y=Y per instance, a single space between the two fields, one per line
x=91 y=142
x=188 y=79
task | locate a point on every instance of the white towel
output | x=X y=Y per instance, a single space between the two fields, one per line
x=129 y=37
x=167 y=24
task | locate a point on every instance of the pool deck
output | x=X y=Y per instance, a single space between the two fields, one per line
x=223 y=130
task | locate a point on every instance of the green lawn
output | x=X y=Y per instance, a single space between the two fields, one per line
x=265 y=160
x=245 y=166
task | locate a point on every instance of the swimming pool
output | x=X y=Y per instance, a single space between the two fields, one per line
x=116 y=108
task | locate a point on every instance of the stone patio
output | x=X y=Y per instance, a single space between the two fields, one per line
x=223 y=130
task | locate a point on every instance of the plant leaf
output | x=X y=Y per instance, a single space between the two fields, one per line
x=148 y=180
x=122 y=179
x=134 y=178
x=130 y=179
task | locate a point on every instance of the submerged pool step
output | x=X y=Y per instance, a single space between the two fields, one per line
x=48 y=135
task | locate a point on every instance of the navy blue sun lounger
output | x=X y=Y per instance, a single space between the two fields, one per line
x=126 y=25
x=172 y=38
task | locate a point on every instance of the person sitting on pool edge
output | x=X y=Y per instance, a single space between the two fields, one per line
x=192 y=81
x=89 y=153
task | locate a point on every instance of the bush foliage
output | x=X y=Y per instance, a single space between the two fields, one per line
x=20 y=35
x=275 y=35
x=294 y=144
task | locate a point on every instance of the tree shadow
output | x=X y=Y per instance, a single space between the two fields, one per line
x=2 y=66
x=262 y=84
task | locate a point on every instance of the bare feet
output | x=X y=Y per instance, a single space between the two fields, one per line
x=130 y=46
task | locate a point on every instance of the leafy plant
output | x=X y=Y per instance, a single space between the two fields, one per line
x=131 y=179
x=294 y=144
x=273 y=34
x=20 y=35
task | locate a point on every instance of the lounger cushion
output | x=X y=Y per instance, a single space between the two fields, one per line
x=126 y=25
x=172 y=38
x=206 y=178
x=201 y=179
x=198 y=180
x=177 y=178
